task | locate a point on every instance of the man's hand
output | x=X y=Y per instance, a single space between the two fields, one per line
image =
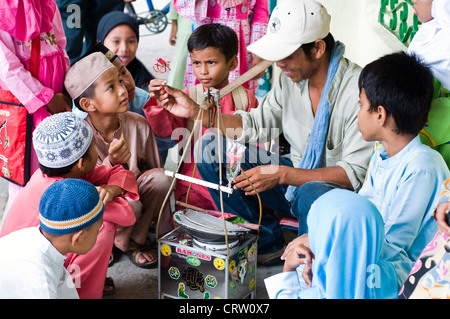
x=178 y=103
x=173 y=33
x=155 y=88
x=262 y=177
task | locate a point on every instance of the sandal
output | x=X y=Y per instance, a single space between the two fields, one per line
x=109 y=282
x=116 y=253
x=135 y=253
x=271 y=259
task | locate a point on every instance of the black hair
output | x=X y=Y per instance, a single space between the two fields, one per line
x=403 y=85
x=60 y=171
x=329 y=42
x=88 y=93
x=215 y=35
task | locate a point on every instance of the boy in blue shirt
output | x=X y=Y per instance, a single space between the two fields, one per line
x=364 y=245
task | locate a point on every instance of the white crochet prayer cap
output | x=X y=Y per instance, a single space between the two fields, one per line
x=61 y=139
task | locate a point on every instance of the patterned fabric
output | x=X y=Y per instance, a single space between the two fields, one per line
x=229 y=3
x=26 y=19
x=430 y=276
x=445 y=193
x=32 y=92
x=61 y=139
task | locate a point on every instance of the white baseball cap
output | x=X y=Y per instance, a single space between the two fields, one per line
x=292 y=24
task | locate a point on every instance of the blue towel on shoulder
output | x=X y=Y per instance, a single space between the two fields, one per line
x=316 y=143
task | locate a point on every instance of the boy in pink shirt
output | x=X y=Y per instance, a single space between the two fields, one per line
x=247 y=18
x=125 y=139
x=65 y=148
x=213 y=49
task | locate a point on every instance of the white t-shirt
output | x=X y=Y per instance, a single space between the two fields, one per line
x=32 y=268
x=432 y=42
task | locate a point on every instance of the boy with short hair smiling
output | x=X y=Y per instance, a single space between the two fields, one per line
x=364 y=245
x=213 y=49
x=123 y=138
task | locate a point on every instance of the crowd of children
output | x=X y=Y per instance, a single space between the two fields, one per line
x=373 y=221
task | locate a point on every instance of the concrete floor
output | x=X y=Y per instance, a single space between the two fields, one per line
x=137 y=283
x=130 y=281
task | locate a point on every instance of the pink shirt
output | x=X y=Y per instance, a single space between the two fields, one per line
x=140 y=139
x=248 y=19
x=14 y=63
x=24 y=211
x=164 y=124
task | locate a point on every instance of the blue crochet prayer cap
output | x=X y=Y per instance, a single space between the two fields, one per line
x=68 y=206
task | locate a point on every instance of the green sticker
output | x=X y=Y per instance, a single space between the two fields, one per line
x=174 y=273
x=193 y=261
x=211 y=281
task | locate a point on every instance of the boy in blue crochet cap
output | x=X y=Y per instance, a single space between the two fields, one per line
x=65 y=148
x=32 y=263
x=123 y=139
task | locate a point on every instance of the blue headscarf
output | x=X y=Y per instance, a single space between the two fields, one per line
x=113 y=19
x=138 y=70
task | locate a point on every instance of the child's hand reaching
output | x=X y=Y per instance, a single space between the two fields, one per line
x=441 y=217
x=118 y=152
x=296 y=253
x=59 y=103
x=109 y=192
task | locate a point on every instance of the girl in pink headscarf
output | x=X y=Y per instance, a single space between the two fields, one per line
x=248 y=18
x=21 y=22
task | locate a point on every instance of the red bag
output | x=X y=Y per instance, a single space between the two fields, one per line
x=15 y=130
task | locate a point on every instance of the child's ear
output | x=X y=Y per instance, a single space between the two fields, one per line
x=86 y=104
x=381 y=115
x=76 y=237
x=233 y=63
x=78 y=165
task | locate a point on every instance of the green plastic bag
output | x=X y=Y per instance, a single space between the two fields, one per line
x=436 y=132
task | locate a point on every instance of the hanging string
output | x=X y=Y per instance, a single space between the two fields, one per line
x=196 y=123
x=219 y=140
x=208 y=104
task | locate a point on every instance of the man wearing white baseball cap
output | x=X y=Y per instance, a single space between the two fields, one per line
x=314 y=103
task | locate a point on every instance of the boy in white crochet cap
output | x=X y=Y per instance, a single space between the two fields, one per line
x=65 y=149
x=125 y=139
x=32 y=263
